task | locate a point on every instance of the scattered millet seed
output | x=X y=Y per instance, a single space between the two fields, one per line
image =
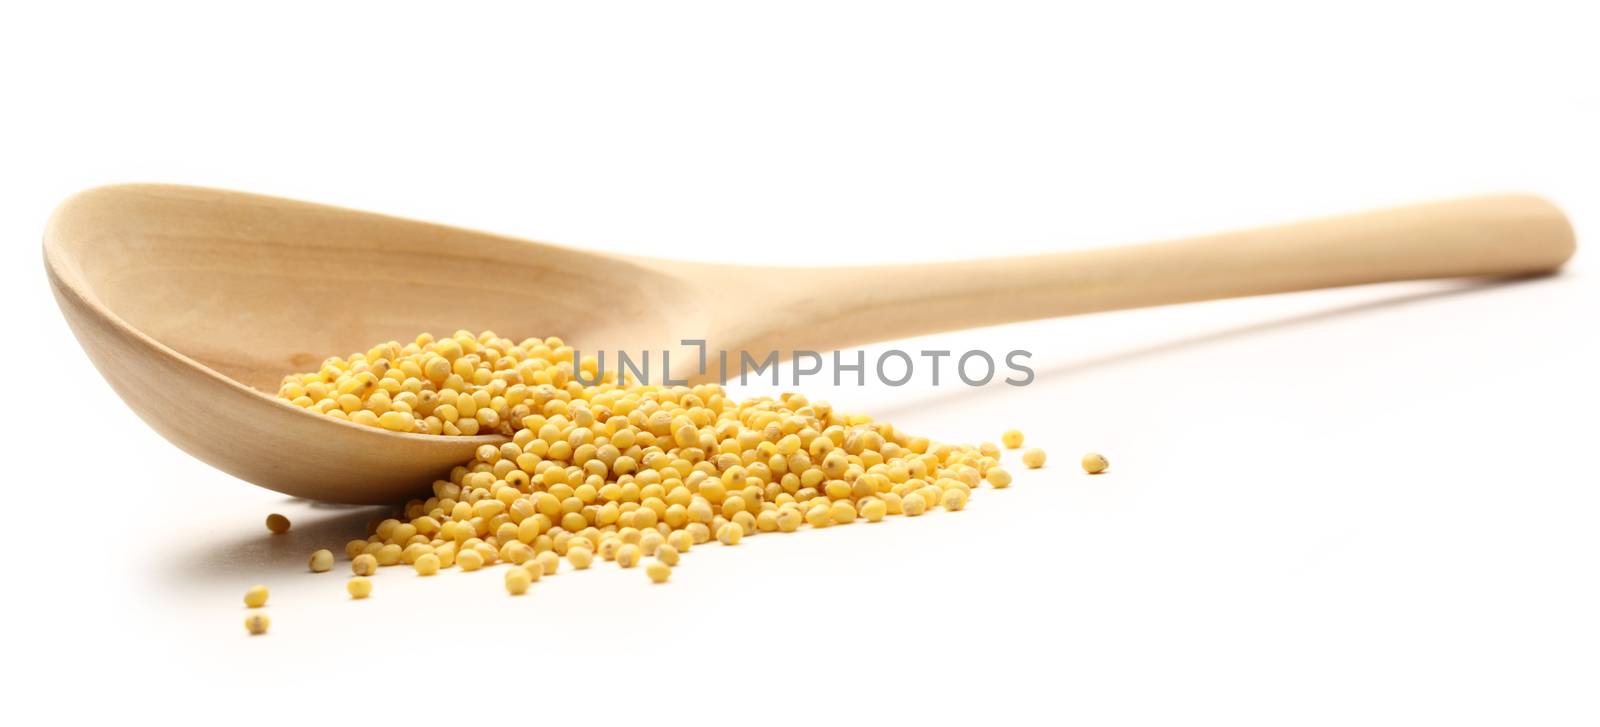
x=601 y=465
x=389 y=554
x=321 y=561
x=358 y=587
x=1033 y=458
x=516 y=553
x=789 y=519
x=1094 y=463
x=659 y=572
x=257 y=623
x=256 y=597
x=650 y=541
x=427 y=564
x=278 y=524
x=517 y=581
x=998 y=478
x=414 y=551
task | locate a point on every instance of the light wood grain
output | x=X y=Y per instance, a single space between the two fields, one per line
x=193 y=303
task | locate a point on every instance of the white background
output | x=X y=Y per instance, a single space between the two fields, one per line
x=1373 y=505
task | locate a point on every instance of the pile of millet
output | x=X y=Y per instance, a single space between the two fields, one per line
x=618 y=471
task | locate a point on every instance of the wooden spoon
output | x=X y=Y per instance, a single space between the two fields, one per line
x=193 y=303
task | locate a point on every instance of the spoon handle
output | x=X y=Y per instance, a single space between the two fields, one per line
x=1509 y=235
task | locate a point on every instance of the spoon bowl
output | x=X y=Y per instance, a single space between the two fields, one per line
x=194 y=303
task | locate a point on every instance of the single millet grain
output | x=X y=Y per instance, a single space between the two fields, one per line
x=517 y=581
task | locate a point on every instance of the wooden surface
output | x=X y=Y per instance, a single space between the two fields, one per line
x=193 y=303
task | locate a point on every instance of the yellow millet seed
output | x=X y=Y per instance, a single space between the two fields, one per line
x=730 y=534
x=659 y=572
x=517 y=581
x=667 y=554
x=680 y=540
x=389 y=554
x=998 y=478
x=650 y=541
x=257 y=623
x=914 y=504
x=397 y=421
x=1033 y=458
x=953 y=499
x=547 y=561
x=427 y=564
x=256 y=597
x=1094 y=463
x=358 y=587
x=580 y=558
x=469 y=560
x=516 y=553
x=321 y=561
x=628 y=555
x=1012 y=438
x=364 y=565
x=278 y=524
x=874 y=510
